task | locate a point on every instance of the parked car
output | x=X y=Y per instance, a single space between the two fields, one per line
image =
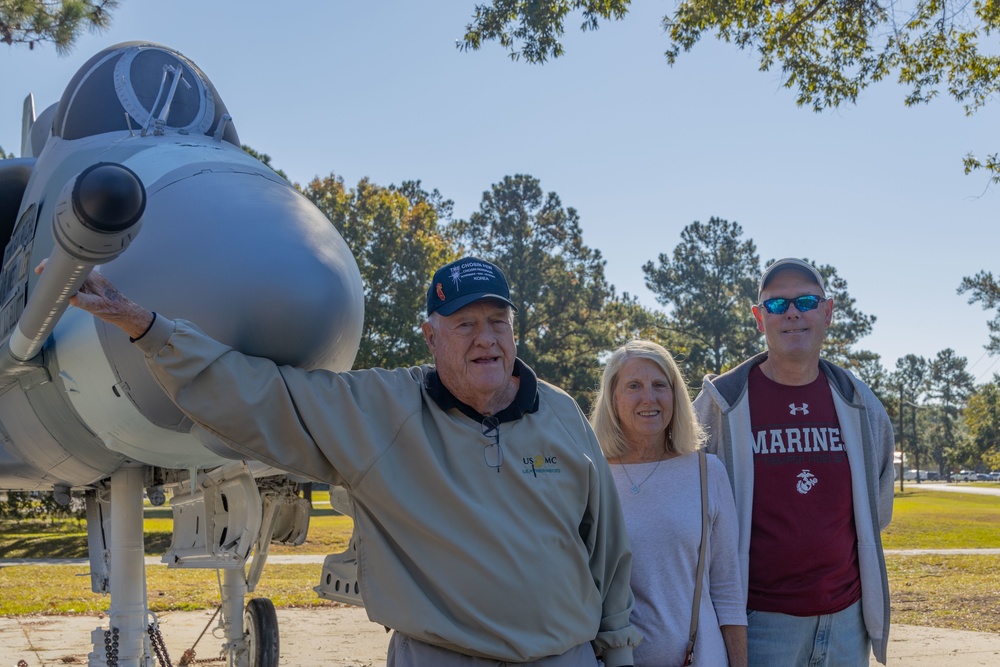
x=983 y=477
x=963 y=476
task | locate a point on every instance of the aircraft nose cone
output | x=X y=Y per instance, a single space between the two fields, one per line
x=108 y=197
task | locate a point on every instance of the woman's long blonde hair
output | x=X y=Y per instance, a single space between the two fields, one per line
x=684 y=433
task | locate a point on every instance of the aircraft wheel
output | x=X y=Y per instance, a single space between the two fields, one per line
x=260 y=626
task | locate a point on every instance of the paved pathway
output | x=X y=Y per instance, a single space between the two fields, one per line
x=942 y=552
x=317 y=559
x=951 y=487
x=344 y=637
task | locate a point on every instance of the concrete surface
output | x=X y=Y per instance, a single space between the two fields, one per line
x=951 y=487
x=954 y=487
x=916 y=646
x=331 y=637
x=344 y=637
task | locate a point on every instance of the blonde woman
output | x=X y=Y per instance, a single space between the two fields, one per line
x=647 y=429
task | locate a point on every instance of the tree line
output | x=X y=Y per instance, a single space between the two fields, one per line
x=570 y=316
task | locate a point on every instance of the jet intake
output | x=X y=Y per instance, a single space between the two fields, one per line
x=96 y=217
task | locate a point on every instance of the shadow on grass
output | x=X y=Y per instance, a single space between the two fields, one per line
x=67 y=538
x=324 y=512
x=68 y=545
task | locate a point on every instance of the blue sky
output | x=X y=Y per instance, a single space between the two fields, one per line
x=639 y=148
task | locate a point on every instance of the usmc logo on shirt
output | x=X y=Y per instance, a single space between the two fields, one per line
x=806 y=482
x=540 y=464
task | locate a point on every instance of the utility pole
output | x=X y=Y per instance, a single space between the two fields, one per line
x=913 y=422
x=901 y=459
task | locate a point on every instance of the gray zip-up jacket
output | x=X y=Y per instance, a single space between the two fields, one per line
x=513 y=565
x=723 y=409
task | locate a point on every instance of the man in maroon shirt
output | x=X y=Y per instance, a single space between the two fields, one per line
x=808 y=449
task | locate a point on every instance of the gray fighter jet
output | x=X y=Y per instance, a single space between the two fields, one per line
x=141 y=140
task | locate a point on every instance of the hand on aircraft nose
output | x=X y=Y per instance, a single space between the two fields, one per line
x=73 y=300
x=95 y=288
x=99 y=297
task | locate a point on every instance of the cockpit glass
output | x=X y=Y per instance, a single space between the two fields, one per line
x=144 y=88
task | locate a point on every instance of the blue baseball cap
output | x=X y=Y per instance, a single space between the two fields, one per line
x=465 y=281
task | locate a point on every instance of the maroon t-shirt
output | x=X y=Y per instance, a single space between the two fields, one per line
x=803 y=543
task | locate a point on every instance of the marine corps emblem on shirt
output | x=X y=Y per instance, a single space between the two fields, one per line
x=806 y=482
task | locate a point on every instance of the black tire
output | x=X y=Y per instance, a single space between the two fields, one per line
x=260 y=627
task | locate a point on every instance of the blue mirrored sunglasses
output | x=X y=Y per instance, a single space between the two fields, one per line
x=802 y=304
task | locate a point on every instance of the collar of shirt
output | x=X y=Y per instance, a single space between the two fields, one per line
x=526 y=400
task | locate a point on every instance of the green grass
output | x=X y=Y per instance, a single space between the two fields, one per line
x=65 y=589
x=943 y=520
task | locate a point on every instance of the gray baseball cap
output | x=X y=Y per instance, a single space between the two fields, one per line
x=790 y=263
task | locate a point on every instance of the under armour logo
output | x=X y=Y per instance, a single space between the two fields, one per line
x=792 y=408
x=806 y=482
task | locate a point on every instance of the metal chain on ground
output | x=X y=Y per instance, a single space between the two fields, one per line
x=159 y=646
x=188 y=657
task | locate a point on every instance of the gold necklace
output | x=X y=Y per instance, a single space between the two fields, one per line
x=635 y=487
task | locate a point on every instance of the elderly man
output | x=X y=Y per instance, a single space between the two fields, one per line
x=809 y=452
x=489 y=525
